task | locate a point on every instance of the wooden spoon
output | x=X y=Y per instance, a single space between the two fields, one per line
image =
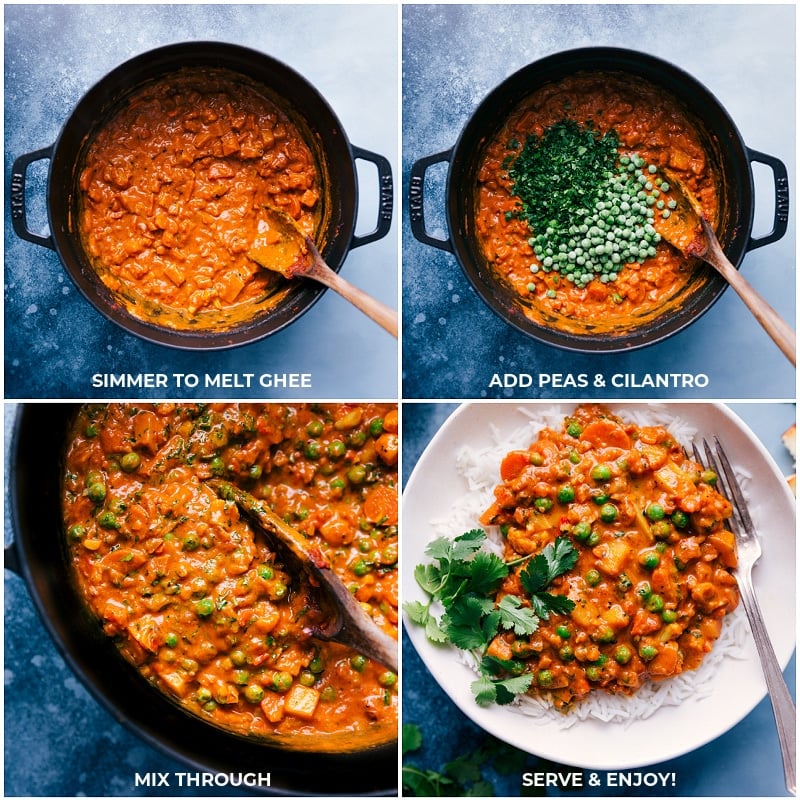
x=687 y=229
x=341 y=617
x=282 y=247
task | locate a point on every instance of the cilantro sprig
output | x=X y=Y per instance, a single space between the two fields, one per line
x=464 y=580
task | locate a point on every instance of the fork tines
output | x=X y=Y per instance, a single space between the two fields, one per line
x=728 y=485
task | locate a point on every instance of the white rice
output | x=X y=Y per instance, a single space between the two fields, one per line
x=480 y=469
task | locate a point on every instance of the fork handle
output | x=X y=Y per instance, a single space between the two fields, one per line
x=782 y=704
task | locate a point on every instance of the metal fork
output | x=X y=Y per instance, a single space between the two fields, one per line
x=749 y=551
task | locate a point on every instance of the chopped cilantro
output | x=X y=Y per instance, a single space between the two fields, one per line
x=464 y=580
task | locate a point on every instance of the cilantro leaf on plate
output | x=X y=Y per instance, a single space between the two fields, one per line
x=513 y=615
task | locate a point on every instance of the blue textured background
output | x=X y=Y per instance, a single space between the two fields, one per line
x=453 y=56
x=54 y=339
x=744 y=762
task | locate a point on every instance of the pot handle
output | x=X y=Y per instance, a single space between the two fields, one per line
x=781 y=181
x=11 y=558
x=416 y=200
x=386 y=194
x=17 y=197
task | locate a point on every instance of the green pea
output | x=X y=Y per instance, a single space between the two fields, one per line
x=679 y=519
x=358 y=662
x=204 y=607
x=566 y=494
x=709 y=476
x=357 y=439
x=543 y=504
x=282 y=681
x=361 y=567
x=669 y=615
x=566 y=653
x=76 y=532
x=537 y=459
x=581 y=531
x=307 y=678
x=661 y=529
x=210 y=706
x=241 y=677
x=605 y=635
x=655 y=512
x=337 y=484
x=592 y=577
x=649 y=559
x=336 y=449
x=217 y=466
x=238 y=658
x=574 y=430
x=171 y=639
x=376 y=427
x=608 y=512
x=544 y=678
x=191 y=542
x=593 y=539
x=255 y=472
x=203 y=695
x=600 y=498
x=357 y=473
x=265 y=572
x=654 y=603
x=593 y=674
x=313 y=450
x=253 y=693
x=315 y=428
x=328 y=694
x=96 y=492
x=94 y=476
x=624 y=583
x=574 y=457
x=647 y=652
x=387 y=678
x=622 y=654
x=316 y=665
x=279 y=591
x=563 y=632
x=91 y=431
x=601 y=472
x=130 y=462
x=108 y=520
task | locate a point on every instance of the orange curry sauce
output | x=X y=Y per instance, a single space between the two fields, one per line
x=199 y=603
x=171 y=189
x=647 y=121
x=653 y=579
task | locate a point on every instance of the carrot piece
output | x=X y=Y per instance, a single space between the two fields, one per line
x=390 y=421
x=514 y=463
x=606 y=433
x=380 y=505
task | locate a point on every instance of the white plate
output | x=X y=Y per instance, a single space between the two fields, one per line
x=435 y=485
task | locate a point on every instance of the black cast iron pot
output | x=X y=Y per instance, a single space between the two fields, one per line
x=39 y=554
x=334 y=154
x=729 y=156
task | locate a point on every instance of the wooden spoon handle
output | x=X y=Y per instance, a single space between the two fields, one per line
x=374 y=309
x=780 y=332
x=354 y=627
